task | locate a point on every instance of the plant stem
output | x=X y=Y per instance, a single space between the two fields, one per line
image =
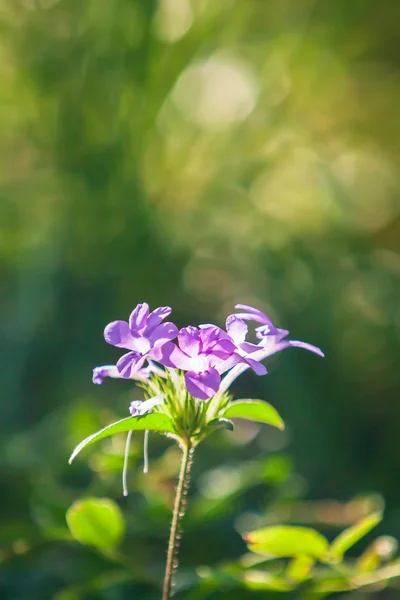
x=179 y=512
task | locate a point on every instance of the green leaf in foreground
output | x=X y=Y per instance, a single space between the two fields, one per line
x=352 y=535
x=151 y=422
x=96 y=522
x=254 y=410
x=287 y=541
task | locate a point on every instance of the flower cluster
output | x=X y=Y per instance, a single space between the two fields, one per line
x=203 y=353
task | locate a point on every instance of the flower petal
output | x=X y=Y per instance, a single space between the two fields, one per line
x=170 y=355
x=202 y=385
x=237 y=359
x=269 y=330
x=236 y=328
x=226 y=365
x=163 y=333
x=221 y=350
x=258 y=368
x=248 y=347
x=138 y=318
x=129 y=364
x=190 y=341
x=306 y=346
x=216 y=342
x=210 y=335
x=156 y=317
x=118 y=334
x=253 y=314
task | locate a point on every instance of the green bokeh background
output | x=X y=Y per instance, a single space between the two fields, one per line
x=195 y=153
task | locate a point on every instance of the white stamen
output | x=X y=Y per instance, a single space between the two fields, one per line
x=126 y=458
x=146 y=452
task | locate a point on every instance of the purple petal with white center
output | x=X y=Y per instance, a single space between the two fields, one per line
x=156 y=317
x=169 y=355
x=202 y=385
x=236 y=328
x=138 y=318
x=118 y=334
x=190 y=341
x=129 y=364
x=163 y=333
x=140 y=344
x=306 y=346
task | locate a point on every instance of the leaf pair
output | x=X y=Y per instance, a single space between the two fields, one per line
x=251 y=410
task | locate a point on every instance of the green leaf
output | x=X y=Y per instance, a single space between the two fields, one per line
x=220 y=424
x=96 y=522
x=261 y=580
x=254 y=410
x=352 y=535
x=152 y=422
x=284 y=540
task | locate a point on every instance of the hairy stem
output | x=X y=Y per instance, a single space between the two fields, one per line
x=179 y=511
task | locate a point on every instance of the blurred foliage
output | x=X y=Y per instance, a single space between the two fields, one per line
x=196 y=153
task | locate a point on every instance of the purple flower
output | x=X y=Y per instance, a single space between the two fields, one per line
x=271 y=338
x=271 y=341
x=144 y=335
x=203 y=352
x=237 y=331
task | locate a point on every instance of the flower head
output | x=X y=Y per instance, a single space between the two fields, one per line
x=144 y=335
x=271 y=338
x=203 y=353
